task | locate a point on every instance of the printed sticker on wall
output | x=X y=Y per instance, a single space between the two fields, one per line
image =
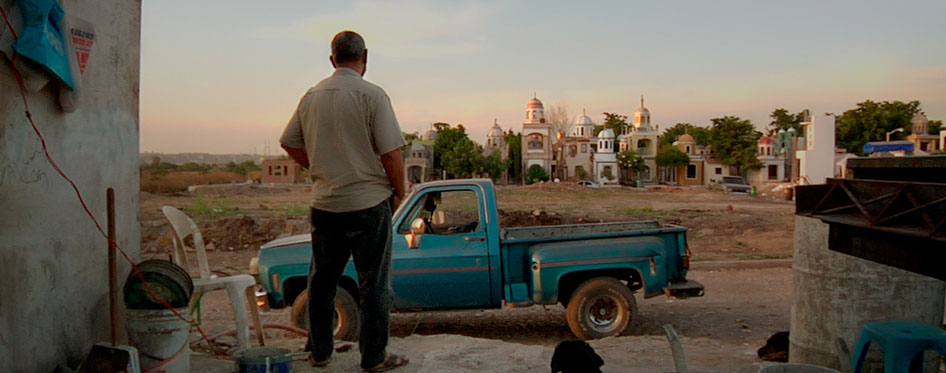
x=83 y=38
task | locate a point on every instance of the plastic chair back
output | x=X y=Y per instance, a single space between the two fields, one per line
x=183 y=226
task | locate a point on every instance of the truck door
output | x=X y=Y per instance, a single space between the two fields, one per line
x=450 y=269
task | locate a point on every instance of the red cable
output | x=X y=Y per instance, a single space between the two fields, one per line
x=137 y=271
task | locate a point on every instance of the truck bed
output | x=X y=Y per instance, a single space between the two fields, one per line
x=571 y=231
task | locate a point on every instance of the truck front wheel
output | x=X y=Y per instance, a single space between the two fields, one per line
x=347 y=318
x=600 y=307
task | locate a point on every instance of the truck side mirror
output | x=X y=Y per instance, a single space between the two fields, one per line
x=418 y=226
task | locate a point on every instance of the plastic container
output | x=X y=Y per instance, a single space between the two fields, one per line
x=264 y=360
x=161 y=338
x=796 y=368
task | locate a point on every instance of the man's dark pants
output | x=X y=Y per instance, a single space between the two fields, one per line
x=364 y=235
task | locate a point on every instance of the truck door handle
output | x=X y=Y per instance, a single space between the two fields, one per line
x=474 y=238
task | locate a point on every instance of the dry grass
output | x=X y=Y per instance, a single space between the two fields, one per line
x=177 y=181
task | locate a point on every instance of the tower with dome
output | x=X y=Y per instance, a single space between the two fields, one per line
x=496 y=142
x=642 y=138
x=577 y=149
x=536 y=138
x=605 y=160
x=920 y=137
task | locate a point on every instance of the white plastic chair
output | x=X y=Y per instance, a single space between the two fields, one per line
x=240 y=287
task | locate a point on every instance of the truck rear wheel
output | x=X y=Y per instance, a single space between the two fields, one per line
x=347 y=318
x=600 y=307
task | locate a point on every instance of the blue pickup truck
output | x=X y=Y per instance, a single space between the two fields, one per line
x=451 y=253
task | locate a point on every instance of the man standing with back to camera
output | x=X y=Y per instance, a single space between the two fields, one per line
x=345 y=131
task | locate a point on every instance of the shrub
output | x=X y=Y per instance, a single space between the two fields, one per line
x=536 y=174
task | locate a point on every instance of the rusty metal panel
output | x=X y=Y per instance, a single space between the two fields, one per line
x=901 y=224
x=906 y=252
x=930 y=169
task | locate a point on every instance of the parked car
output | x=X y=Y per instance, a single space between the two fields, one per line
x=589 y=183
x=735 y=184
x=451 y=253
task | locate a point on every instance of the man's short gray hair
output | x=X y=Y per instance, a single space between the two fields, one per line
x=347 y=46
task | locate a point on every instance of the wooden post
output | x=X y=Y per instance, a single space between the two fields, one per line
x=112 y=270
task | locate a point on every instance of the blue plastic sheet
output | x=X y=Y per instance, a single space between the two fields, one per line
x=888 y=146
x=42 y=39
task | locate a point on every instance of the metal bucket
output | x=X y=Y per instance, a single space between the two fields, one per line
x=835 y=294
x=166 y=280
x=161 y=338
x=264 y=360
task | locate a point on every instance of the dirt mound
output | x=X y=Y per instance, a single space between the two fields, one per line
x=538 y=217
x=225 y=233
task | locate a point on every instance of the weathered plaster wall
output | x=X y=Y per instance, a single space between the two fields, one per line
x=834 y=294
x=53 y=264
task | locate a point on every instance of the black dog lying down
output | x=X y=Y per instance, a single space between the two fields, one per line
x=776 y=348
x=575 y=356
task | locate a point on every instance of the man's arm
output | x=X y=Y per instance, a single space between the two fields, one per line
x=298 y=155
x=394 y=166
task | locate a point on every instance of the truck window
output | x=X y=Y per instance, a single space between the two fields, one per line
x=446 y=213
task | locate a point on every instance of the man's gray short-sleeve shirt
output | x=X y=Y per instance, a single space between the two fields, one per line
x=345 y=124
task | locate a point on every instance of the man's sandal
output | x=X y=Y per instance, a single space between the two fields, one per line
x=392 y=361
x=318 y=364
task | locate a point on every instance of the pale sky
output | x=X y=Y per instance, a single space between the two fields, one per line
x=225 y=76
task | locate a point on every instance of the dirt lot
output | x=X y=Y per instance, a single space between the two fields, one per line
x=723 y=226
x=721 y=331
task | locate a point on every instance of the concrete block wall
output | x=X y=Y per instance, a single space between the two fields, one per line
x=53 y=263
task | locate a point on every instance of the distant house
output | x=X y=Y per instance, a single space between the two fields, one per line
x=419 y=160
x=694 y=172
x=773 y=163
x=281 y=171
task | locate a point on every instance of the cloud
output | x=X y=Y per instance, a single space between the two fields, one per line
x=408 y=29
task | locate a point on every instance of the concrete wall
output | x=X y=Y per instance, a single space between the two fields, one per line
x=53 y=263
x=817 y=160
x=834 y=294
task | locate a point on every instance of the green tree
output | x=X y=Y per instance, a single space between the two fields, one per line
x=631 y=163
x=536 y=174
x=463 y=160
x=514 y=162
x=935 y=126
x=783 y=120
x=242 y=168
x=734 y=142
x=614 y=121
x=700 y=134
x=493 y=165
x=447 y=139
x=192 y=166
x=669 y=156
x=871 y=121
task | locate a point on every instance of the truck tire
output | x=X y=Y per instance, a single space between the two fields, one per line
x=600 y=307
x=347 y=317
